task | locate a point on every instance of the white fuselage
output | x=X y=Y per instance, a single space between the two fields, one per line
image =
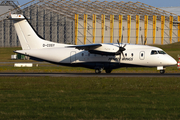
x=134 y=55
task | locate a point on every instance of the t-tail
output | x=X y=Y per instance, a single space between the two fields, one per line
x=27 y=36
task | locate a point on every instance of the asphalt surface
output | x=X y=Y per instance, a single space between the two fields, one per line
x=90 y=75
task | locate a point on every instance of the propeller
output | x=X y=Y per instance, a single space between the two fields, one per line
x=121 y=49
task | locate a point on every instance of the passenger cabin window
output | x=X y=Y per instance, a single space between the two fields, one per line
x=154 y=52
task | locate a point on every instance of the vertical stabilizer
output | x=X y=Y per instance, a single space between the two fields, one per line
x=27 y=36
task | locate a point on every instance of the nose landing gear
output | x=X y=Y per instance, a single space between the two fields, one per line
x=162 y=69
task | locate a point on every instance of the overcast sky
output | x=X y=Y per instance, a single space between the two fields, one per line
x=155 y=3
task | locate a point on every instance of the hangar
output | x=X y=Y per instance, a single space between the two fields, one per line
x=86 y=22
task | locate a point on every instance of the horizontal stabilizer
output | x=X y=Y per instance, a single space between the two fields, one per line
x=16 y=17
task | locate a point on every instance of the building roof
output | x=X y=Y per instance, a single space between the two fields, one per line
x=6 y=6
x=4 y=9
x=71 y=7
x=175 y=10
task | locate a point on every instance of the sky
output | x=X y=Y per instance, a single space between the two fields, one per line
x=155 y=3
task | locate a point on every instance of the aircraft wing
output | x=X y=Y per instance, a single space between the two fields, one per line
x=101 y=49
x=85 y=47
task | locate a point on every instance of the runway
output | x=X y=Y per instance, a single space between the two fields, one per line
x=89 y=75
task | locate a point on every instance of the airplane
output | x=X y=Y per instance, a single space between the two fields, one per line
x=101 y=56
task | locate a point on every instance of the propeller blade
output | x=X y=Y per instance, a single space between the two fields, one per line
x=124 y=46
x=119 y=58
x=118 y=43
x=123 y=54
x=122 y=39
x=145 y=41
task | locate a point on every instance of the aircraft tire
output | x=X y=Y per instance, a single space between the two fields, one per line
x=162 y=71
x=108 y=70
x=97 y=71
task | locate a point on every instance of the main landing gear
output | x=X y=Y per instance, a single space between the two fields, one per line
x=99 y=70
x=108 y=70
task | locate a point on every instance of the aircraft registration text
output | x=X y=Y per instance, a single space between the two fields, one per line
x=48 y=45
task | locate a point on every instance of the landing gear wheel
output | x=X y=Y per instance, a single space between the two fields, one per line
x=97 y=71
x=162 y=71
x=108 y=70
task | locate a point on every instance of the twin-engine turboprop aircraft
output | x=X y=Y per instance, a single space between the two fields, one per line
x=95 y=56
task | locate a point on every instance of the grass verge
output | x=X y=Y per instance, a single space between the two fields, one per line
x=89 y=98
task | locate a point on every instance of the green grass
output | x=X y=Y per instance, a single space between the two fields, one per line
x=89 y=98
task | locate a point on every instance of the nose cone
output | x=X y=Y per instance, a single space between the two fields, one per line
x=174 y=62
x=171 y=61
x=167 y=60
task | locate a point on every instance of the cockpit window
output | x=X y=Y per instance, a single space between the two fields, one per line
x=161 y=52
x=154 y=52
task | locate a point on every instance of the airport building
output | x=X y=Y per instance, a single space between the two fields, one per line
x=87 y=22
